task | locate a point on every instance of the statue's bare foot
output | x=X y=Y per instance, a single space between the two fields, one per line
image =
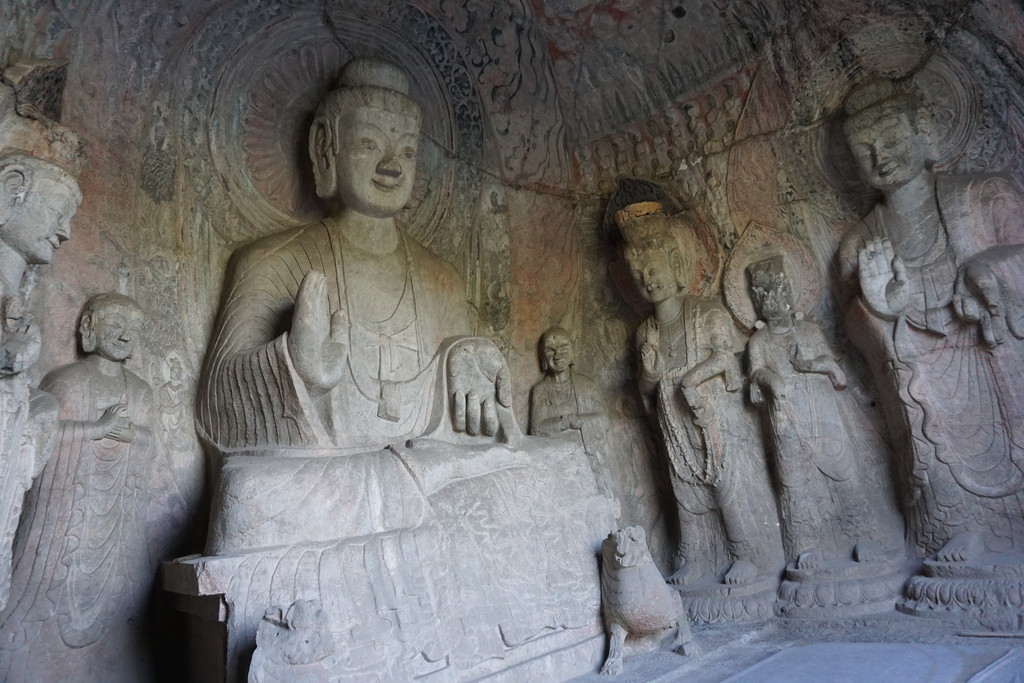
x=868 y=551
x=809 y=559
x=963 y=547
x=741 y=571
x=687 y=573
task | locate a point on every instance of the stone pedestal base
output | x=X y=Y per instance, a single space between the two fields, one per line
x=715 y=602
x=499 y=579
x=988 y=590
x=840 y=588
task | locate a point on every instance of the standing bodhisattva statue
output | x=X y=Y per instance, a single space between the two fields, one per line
x=691 y=382
x=38 y=198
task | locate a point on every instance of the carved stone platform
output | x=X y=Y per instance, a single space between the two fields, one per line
x=841 y=588
x=500 y=579
x=715 y=602
x=989 y=590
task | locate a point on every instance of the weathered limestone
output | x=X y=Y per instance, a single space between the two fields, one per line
x=293 y=646
x=636 y=601
x=691 y=381
x=83 y=567
x=366 y=450
x=932 y=281
x=38 y=164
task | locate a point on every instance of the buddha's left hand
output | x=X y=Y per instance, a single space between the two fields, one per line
x=478 y=380
x=978 y=299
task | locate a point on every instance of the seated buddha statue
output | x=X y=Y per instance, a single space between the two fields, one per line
x=346 y=335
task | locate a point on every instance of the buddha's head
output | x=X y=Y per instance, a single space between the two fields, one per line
x=39 y=199
x=364 y=138
x=110 y=326
x=884 y=129
x=770 y=290
x=659 y=258
x=555 y=351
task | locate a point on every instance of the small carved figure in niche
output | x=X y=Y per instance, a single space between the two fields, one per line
x=567 y=405
x=795 y=377
x=38 y=198
x=293 y=646
x=690 y=379
x=82 y=569
x=933 y=283
x=932 y=278
x=636 y=601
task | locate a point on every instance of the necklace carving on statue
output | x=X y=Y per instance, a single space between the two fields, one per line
x=675 y=335
x=389 y=344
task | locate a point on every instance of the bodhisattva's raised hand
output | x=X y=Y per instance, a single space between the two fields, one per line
x=19 y=349
x=650 y=361
x=883 y=279
x=316 y=341
x=479 y=382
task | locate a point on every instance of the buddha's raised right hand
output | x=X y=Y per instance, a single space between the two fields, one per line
x=316 y=342
x=883 y=281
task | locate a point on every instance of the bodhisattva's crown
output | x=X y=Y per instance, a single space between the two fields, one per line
x=641 y=222
x=41 y=139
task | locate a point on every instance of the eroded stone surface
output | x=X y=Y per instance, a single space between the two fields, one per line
x=933 y=280
x=38 y=164
x=691 y=380
x=83 y=565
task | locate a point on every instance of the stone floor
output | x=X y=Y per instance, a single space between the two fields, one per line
x=889 y=648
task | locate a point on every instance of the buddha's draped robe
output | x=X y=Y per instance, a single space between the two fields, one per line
x=954 y=405
x=252 y=402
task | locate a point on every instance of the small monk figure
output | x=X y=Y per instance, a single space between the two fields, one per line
x=566 y=404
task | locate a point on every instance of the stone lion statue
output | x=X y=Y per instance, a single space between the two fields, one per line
x=637 y=602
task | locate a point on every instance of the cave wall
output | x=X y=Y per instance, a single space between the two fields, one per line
x=194 y=113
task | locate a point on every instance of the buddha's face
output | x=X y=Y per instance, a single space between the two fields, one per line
x=653 y=273
x=557 y=351
x=376 y=161
x=889 y=151
x=115 y=329
x=35 y=225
